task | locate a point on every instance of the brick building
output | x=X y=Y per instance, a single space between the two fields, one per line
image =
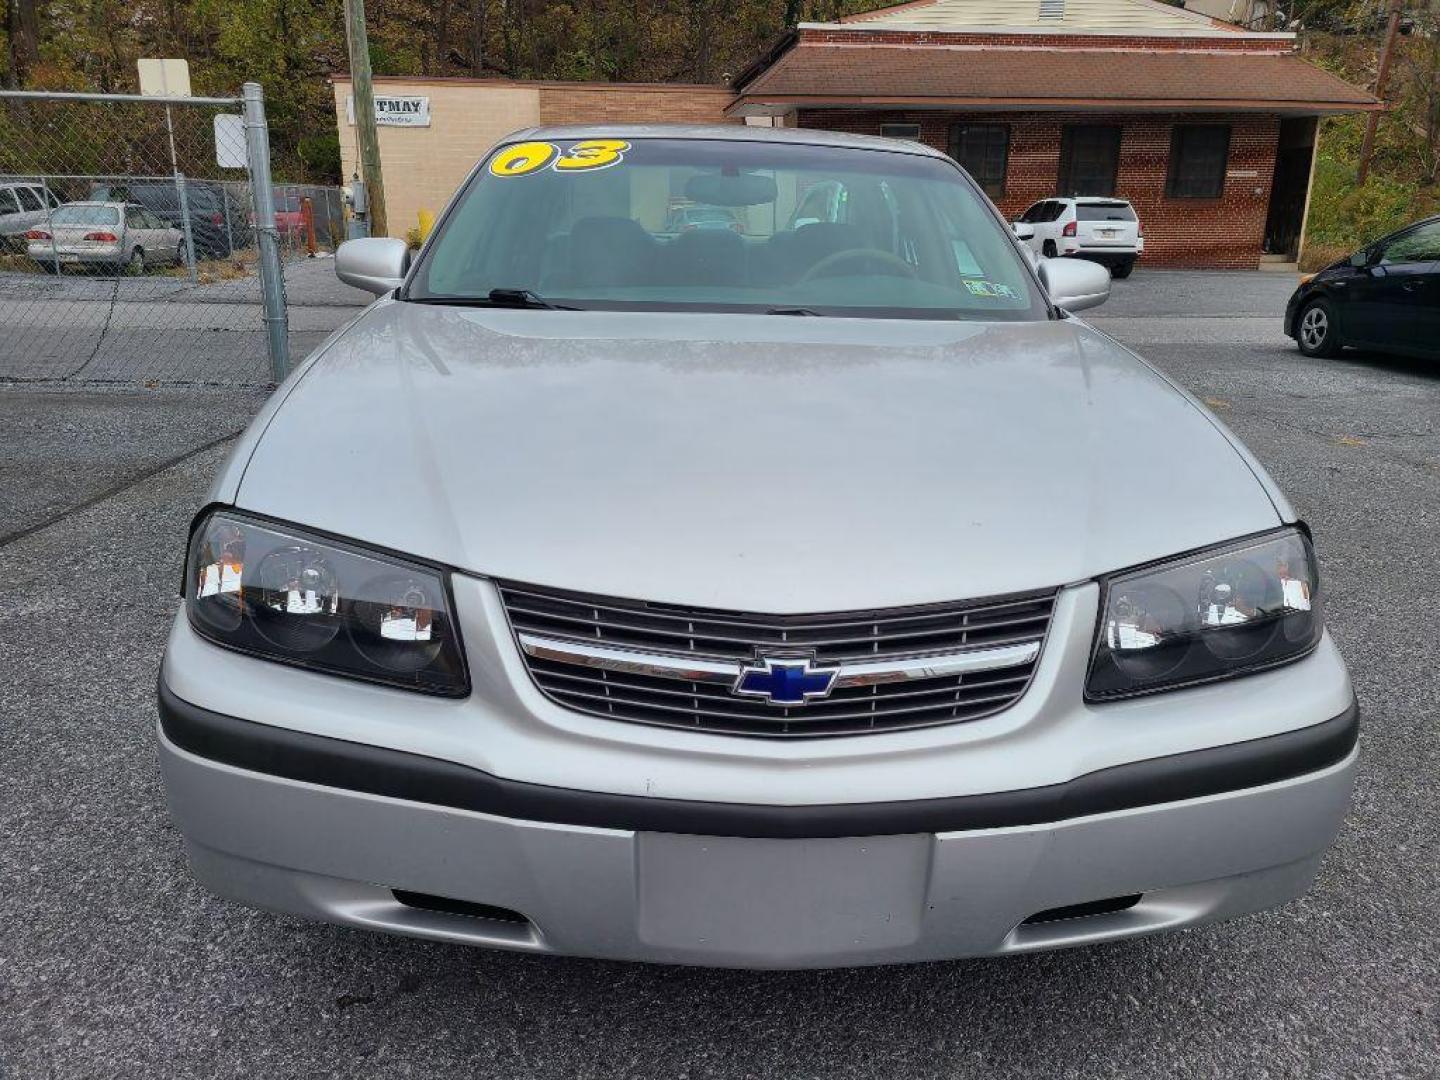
x=1208 y=129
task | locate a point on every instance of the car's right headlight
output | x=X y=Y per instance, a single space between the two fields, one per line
x=1227 y=611
x=285 y=594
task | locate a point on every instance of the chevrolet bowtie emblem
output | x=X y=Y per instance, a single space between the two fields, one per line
x=792 y=680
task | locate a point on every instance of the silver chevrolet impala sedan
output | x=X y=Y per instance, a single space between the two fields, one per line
x=809 y=589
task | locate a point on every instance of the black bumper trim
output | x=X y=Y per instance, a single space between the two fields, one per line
x=317 y=759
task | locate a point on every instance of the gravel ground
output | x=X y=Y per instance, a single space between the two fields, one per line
x=113 y=963
x=59 y=451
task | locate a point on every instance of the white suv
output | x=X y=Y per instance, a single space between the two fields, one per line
x=1103 y=230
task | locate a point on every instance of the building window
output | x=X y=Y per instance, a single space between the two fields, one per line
x=983 y=150
x=1089 y=159
x=900 y=131
x=1198 y=153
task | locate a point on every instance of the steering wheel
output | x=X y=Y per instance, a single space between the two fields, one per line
x=894 y=262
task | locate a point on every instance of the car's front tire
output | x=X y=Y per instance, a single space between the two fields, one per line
x=1121 y=270
x=1315 y=331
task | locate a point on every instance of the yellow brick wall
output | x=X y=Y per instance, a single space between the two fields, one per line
x=423 y=166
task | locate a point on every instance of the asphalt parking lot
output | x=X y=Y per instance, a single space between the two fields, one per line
x=113 y=963
x=158 y=329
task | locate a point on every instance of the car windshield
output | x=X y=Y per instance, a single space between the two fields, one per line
x=717 y=225
x=85 y=215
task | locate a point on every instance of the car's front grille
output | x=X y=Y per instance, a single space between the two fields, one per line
x=599 y=655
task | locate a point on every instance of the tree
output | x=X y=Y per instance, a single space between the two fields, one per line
x=477 y=37
x=1419 y=68
x=22 y=40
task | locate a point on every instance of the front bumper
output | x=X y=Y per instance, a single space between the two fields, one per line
x=1199 y=836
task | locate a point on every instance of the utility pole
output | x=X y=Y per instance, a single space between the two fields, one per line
x=364 y=96
x=1382 y=76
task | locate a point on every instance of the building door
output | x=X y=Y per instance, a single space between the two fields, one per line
x=1089 y=159
x=1290 y=186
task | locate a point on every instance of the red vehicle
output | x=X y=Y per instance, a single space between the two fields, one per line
x=289 y=218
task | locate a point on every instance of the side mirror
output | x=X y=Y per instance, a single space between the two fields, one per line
x=376 y=264
x=1074 y=284
x=1360 y=259
x=1023 y=230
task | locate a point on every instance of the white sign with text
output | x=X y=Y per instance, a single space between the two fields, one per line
x=394 y=111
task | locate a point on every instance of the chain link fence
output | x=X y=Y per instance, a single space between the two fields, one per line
x=142 y=243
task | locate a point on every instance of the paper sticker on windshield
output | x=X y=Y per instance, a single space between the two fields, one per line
x=991 y=290
x=522 y=159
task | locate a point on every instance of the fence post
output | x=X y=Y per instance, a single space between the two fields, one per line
x=186 y=230
x=272 y=284
x=229 y=235
x=307 y=218
x=50 y=225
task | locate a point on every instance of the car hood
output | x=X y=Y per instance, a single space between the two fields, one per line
x=764 y=463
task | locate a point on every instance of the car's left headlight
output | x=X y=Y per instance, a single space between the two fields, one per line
x=1228 y=611
x=284 y=594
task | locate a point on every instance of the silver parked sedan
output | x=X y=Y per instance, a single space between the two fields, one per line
x=120 y=236
x=809 y=593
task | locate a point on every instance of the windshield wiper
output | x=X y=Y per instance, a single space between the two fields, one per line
x=793 y=311
x=523 y=298
x=506 y=298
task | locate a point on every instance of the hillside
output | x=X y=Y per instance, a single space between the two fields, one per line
x=1403 y=179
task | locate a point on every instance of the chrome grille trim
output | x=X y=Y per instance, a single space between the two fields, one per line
x=679 y=667
x=583 y=654
x=665 y=628
x=696 y=669
x=855 y=714
x=693 y=694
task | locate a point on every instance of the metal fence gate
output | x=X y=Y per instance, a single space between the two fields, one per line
x=142 y=242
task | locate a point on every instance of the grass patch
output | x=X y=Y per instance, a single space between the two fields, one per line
x=236 y=266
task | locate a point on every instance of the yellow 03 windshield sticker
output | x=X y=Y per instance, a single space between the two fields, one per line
x=522 y=158
x=593 y=154
x=526 y=158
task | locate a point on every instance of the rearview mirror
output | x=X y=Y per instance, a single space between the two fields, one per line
x=376 y=264
x=736 y=189
x=1074 y=284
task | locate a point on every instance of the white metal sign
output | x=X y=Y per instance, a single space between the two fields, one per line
x=395 y=111
x=229 y=141
x=164 y=78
